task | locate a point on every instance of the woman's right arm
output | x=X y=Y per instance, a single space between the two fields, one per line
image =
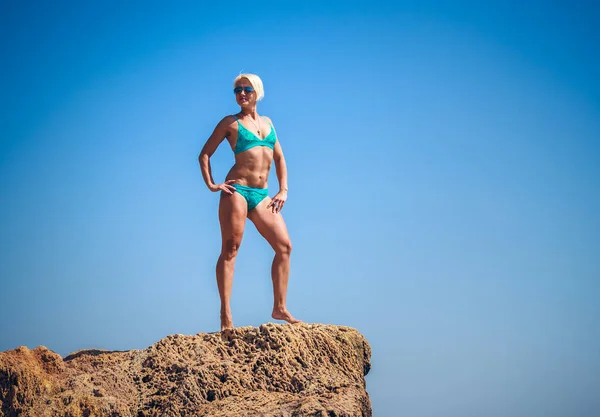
x=209 y=148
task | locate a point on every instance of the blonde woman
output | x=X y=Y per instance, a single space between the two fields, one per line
x=244 y=193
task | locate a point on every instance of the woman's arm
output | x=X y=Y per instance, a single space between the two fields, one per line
x=280 y=167
x=281 y=170
x=209 y=148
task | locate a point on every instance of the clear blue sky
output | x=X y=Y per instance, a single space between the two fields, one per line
x=444 y=174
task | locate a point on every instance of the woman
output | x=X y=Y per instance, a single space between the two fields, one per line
x=244 y=193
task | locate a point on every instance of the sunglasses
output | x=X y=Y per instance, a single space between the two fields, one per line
x=247 y=89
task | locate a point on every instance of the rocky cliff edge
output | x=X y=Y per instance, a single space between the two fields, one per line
x=273 y=370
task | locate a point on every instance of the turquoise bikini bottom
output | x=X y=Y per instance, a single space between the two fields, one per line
x=253 y=196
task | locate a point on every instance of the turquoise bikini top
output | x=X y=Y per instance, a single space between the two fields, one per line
x=247 y=139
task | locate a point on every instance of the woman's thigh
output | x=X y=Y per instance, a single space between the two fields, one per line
x=233 y=211
x=271 y=226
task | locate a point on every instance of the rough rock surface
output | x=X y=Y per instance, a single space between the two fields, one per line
x=273 y=370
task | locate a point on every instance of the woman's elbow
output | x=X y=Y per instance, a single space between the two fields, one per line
x=204 y=154
x=203 y=158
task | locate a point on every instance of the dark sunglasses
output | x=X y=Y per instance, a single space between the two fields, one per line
x=247 y=89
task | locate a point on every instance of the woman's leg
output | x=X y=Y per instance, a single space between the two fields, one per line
x=272 y=227
x=232 y=217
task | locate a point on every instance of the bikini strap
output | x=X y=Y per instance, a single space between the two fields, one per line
x=235 y=117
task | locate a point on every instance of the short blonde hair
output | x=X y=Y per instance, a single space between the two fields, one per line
x=255 y=81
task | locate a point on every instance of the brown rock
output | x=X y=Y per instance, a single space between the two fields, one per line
x=273 y=370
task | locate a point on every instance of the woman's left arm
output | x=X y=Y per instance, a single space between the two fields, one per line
x=281 y=170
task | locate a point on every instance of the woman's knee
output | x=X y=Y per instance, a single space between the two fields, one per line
x=284 y=248
x=230 y=247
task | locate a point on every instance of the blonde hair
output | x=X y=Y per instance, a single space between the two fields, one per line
x=255 y=81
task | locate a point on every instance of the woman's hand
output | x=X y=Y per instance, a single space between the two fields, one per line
x=226 y=187
x=278 y=201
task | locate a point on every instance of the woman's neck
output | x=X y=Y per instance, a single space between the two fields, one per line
x=249 y=112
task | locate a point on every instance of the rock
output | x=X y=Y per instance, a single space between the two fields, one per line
x=273 y=370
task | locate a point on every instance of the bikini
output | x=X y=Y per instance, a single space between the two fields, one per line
x=247 y=140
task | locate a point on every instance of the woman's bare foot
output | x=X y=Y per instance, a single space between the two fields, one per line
x=284 y=315
x=226 y=321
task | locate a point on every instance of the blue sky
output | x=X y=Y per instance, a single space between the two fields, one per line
x=443 y=171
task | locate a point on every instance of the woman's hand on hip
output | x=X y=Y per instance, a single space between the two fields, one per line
x=226 y=187
x=278 y=201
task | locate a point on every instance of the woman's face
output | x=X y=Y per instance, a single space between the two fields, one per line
x=245 y=98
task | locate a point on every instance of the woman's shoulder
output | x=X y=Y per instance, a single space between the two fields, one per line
x=267 y=118
x=227 y=121
x=226 y=126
